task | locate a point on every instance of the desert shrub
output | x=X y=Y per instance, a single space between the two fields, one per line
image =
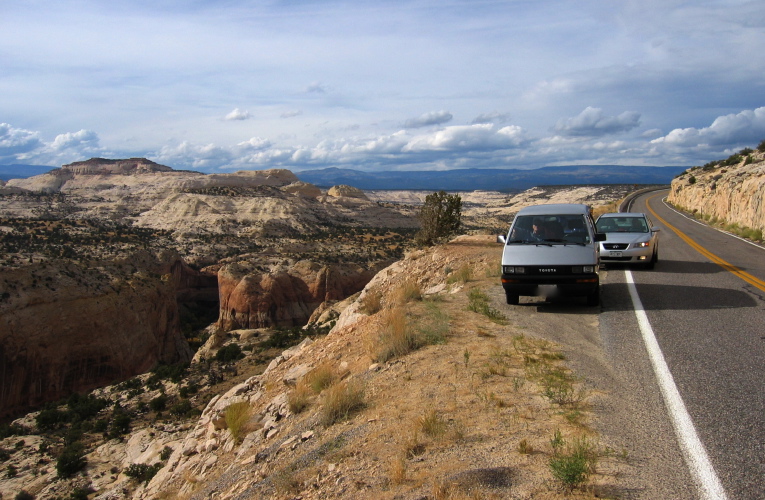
x=181 y=408
x=692 y=180
x=761 y=146
x=236 y=415
x=165 y=453
x=50 y=419
x=432 y=424
x=573 y=465
x=120 y=423
x=341 y=400
x=24 y=495
x=396 y=338
x=85 y=407
x=175 y=373
x=81 y=493
x=159 y=403
x=71 y=461
x=228 y=353
x=142 y=472
x=440 y=218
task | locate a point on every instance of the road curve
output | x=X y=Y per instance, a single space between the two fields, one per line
x=705 y=301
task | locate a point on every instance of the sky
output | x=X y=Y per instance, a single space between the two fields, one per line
x=226 y=85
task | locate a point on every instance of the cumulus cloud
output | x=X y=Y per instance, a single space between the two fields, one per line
x=201 y=156
x=428 y=119
x=255 y=144
x=592 y=123
x=84 y=140
x=468 y=137
x=731 y=130
x=291 y=114
x=238 y=114
x=16 y=141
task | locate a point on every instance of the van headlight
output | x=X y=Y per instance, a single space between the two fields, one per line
x=513 y=270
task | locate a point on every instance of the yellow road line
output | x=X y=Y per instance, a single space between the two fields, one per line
x=706 y=253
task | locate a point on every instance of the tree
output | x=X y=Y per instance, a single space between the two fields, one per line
x=440 y=217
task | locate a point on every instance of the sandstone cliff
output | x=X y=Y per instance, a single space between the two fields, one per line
x=286 y=297
x=731 y=193
x=68 y=328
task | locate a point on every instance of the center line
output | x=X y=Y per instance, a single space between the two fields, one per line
x=696 y=457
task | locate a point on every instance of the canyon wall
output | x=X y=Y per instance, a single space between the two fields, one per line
x=66 y=328
x=251 y=297
x=733 y=193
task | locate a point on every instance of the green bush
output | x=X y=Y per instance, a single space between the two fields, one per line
x=142 y=472
x=159 y=403
x=228 y=353
x=24 y=495
x=71 y=461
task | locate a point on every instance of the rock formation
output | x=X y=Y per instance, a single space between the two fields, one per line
x=69 y=328
x=733 y=193
x=251 y=298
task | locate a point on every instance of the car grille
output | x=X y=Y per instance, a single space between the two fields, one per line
x=615 y=246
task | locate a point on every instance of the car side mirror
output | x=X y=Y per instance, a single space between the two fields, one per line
x=655 y=229
x=501 y=238
x=600 y=236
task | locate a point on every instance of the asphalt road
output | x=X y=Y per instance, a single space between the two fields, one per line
x=707 y=312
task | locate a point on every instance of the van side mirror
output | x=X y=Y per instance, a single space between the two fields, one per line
x=501 y=238
x=600 y=236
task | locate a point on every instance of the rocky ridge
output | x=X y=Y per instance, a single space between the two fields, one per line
x=733 y=193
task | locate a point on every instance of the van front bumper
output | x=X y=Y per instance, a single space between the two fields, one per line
x=570 y=284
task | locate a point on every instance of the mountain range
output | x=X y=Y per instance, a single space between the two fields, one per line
x=510 y=180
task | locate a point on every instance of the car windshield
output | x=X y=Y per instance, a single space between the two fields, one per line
x=621 y=225
x=563 y=228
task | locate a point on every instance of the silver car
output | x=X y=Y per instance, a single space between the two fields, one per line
x=631 y=238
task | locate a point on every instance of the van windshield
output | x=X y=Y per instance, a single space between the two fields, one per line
x=551 y=229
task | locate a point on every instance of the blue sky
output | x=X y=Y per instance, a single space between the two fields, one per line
x=411 y=85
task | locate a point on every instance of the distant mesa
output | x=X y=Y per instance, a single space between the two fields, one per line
x=345 y=191
x=96 y=166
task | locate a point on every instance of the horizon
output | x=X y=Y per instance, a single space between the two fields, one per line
x=380 y=86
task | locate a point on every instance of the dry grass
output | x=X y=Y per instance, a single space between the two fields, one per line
x=323 y=376
x=406 y=292
x=461 y=275
x=299 y=399
x=237 y=415
x=342 y=400
x=371 y=302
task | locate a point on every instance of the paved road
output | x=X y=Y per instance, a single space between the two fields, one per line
x=710 y=327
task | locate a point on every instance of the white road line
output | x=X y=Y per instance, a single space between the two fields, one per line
x=707 y=482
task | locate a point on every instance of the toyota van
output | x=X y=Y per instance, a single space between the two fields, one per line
x=552 y=250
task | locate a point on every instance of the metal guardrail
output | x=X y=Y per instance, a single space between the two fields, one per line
x=627 y=201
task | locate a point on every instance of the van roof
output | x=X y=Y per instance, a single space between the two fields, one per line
x=555 y=209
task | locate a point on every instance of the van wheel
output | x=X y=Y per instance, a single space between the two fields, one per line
x=512 y=298
x=593 y=299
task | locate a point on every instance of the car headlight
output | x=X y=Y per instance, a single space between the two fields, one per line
x=513 y=270
x=642 y=244
x=582 y=269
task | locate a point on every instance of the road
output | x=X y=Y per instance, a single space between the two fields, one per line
x=705 y=302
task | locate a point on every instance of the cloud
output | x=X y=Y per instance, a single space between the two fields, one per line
x=291 y=114
x=16 y=141
x=238 y=114
x=468 y=137
x=84 y=140
x=186 y=154
x=592 y=123
x=730 y=130
x=316 y=88
x=428 y=119
x=491 y=118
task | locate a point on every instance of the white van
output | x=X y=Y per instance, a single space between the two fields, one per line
x=552 y=250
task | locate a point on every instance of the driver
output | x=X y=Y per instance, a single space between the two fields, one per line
x=539 y=230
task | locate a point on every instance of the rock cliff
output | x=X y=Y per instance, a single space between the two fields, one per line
x=285 y=297
x=67 y=328
x=732 y=193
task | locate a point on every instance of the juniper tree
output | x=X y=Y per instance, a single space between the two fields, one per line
x=440 y=217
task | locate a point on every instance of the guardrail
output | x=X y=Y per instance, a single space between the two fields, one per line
x=627 y=201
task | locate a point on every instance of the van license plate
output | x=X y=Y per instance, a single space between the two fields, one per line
x=615 y=254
